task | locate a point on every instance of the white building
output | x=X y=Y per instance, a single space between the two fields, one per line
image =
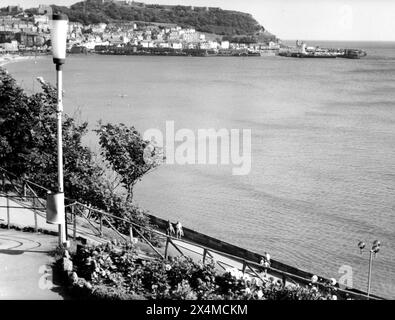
x=90 y=45
x=10 y=47
x=42 y=19
x=98 y=28
x=161 y=44
x=147 y=44
x=225 y=45
x=176 y=45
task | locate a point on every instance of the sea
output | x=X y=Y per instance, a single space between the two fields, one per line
x=322 y=172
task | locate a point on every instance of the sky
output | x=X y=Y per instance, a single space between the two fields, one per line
x=357 y=20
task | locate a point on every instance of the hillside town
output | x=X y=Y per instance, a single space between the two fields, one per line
x=28 y=31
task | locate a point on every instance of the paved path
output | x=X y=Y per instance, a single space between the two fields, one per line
x=25 y=260
x=26 y=266
x=23 y=217
x=222 y=262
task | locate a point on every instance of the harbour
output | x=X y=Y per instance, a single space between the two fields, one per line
x=301 y=50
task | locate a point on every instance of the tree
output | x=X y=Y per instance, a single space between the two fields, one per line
x=214 y=20
x=127 y=153
x=28 y=144
x=28 y=148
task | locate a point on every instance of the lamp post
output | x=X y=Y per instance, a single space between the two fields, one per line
x=58 y=40
x=374 y=250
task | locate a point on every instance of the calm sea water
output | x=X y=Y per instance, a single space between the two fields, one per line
x=323 y=148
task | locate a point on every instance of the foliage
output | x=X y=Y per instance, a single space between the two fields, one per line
x=28 y=143
x=127 y=153
x=179 y=278
x=28 y=148
x=123 y=208
x=213 y=20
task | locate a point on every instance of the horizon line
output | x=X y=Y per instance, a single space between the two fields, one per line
x=347 y=40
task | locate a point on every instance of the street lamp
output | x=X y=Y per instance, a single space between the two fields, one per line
x=374 y=250
x=59 y=30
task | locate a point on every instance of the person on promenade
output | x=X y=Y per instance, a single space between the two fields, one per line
x=262 y=262
x=265 y=263
x=179 y=231
x=267 y=257
x=170 y=230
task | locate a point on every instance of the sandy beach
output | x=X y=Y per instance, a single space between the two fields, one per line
x=8 y=58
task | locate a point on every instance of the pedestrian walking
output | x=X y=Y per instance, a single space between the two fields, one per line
x=170 y=230
x=179 y=231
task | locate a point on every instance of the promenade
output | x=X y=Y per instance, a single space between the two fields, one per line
x=26 y=266
x=26 y=258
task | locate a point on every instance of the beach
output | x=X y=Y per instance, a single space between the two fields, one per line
x=12 y=58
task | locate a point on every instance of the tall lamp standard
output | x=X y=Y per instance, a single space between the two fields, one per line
x=58 y=41
x=374 y=250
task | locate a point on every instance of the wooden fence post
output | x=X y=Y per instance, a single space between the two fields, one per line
x=167 y=246
x=8 y=212
x=24 y=189
x=284 y=280
x=74 y=222
x=35 y=221
x=131 y=233
x=204 y=256
x=244 y=266
x=3 y=181
x=101 y=224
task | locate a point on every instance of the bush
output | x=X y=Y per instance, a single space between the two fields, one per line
x=28 y=131
x=120 y=274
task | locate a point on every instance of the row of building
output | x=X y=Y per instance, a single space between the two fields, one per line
x=21 y=31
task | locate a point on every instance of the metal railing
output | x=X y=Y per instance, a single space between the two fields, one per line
x=99 y=220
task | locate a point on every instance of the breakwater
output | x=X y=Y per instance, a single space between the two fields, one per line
x=139 y=51
x=301 y=50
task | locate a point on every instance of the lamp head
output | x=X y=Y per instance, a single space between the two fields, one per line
x=361 y=245
x=376 y=246
x=59 y=30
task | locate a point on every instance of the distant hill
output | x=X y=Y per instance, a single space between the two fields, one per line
x=211 y=20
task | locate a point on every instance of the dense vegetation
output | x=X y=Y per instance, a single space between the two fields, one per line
x=121 y=274
x=214 y=20
x=28 y=148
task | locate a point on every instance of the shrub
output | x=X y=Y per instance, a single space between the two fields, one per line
x=28 y=131
x=121 y=274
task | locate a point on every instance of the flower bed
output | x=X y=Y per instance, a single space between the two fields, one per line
x=108 y=272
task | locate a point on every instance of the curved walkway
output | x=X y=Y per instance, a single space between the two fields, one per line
x=26 y=266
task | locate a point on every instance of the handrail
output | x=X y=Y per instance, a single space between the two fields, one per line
x=226 y=255
x=289 y=276
x=239 y=259
x=25 y=180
